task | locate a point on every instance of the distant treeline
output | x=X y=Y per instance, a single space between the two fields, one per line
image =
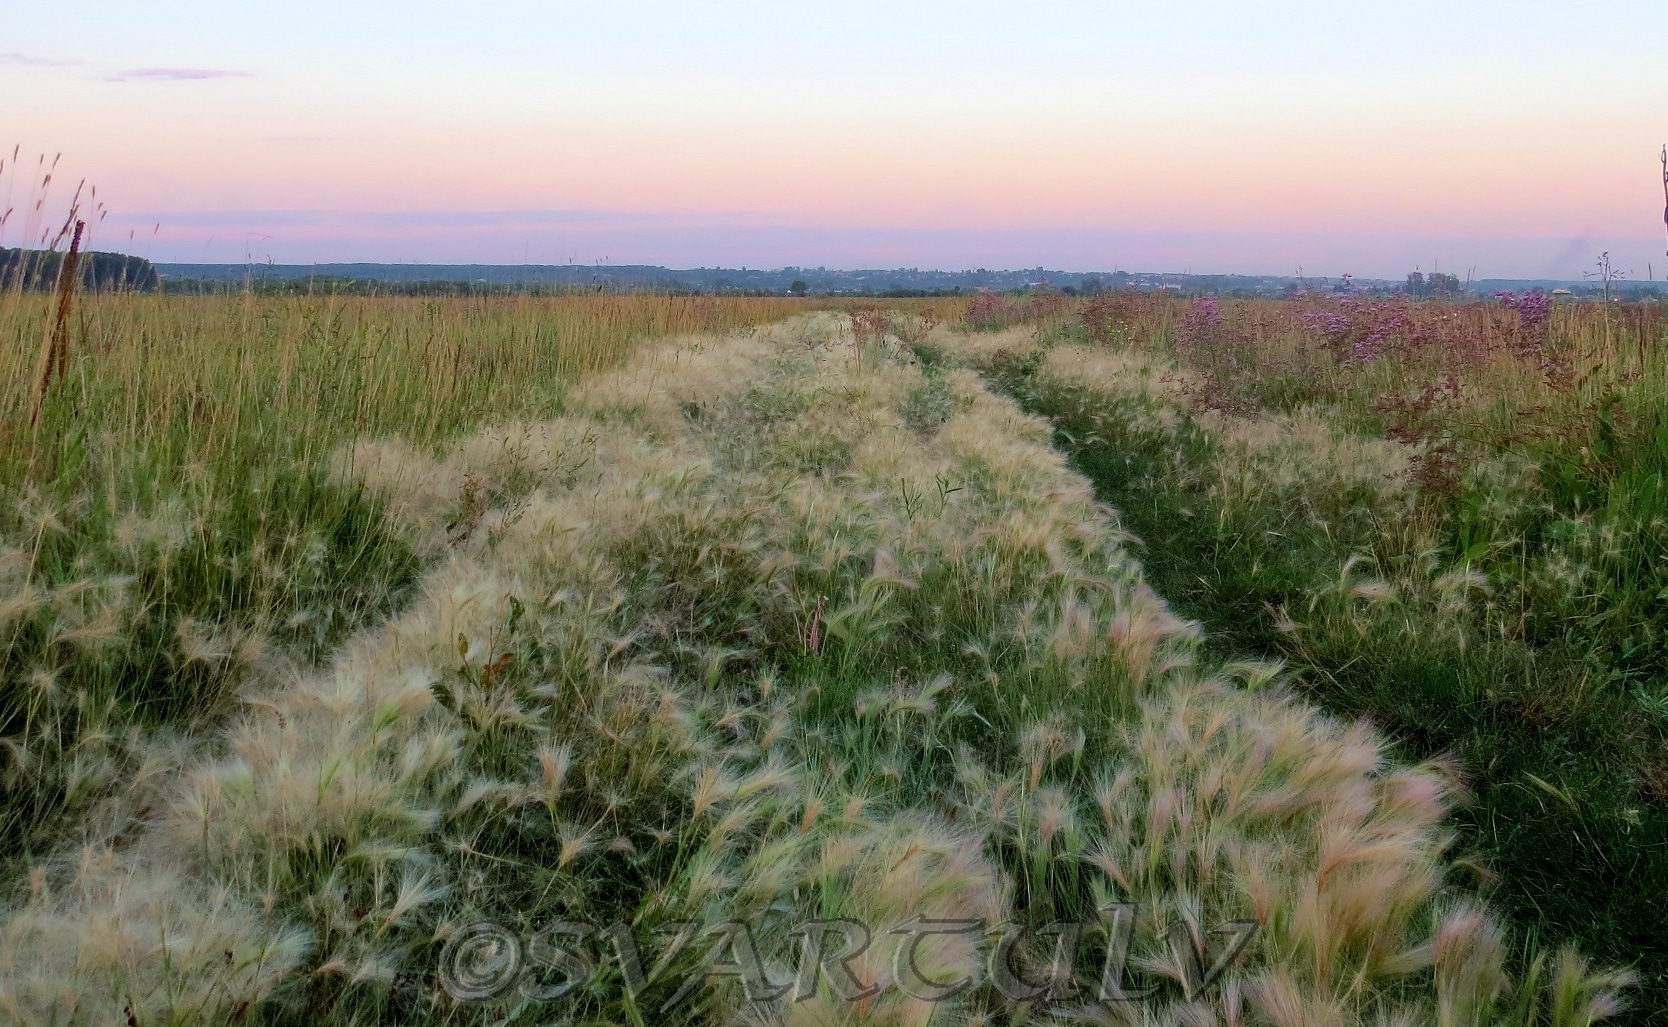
x=38 y=269
x=333 y=285
x=99 y=272
x=545 y=279
x=338 y=285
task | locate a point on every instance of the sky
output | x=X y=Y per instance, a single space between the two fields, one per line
x=1496 y=139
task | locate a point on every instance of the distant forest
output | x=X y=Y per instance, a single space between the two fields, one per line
x=499 y=279
x=491 y=279
x=38 y=270
x=100 y=272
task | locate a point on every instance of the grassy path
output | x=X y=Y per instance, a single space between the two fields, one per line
x=1565 y=831
x=783 y=625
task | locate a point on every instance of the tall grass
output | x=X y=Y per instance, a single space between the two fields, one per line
x=335 y=624
x=218 y=380
x=169 y=533
x=803 y=622
x=1447 y=517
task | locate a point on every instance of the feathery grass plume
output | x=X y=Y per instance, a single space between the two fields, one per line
x=905 y=868
x=1273 y=532
x=139 y=944
x=570 y=718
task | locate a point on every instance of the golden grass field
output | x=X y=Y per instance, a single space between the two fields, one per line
x=338 y=626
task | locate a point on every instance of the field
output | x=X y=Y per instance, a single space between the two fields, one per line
x=340 y=628
x=1448 y=519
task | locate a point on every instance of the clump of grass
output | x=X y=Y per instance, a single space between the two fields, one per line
x=661 y=669
x=126 y=615
x=170 y=537
x=1450 y=529
x=208 y=380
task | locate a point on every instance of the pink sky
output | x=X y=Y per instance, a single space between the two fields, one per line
x=1085 y=136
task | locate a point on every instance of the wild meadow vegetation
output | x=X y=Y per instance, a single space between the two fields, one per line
x=171 y=528
x=1449 y=519
x=338 y=625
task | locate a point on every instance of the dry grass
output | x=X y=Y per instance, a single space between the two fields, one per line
x=169 y=534
x=767 y=626
x=1455 y=530
x=199 y=380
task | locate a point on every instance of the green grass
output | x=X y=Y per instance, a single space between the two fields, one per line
x=122 y=621
x=171 y=537
x=1546 y=688
x=762 y=624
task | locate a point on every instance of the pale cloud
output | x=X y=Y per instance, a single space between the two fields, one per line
x=174 y=74
x=31 y=61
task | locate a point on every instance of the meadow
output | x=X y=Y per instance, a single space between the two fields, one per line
x=176 y=492
x=1446 y=518
x=339 y=625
